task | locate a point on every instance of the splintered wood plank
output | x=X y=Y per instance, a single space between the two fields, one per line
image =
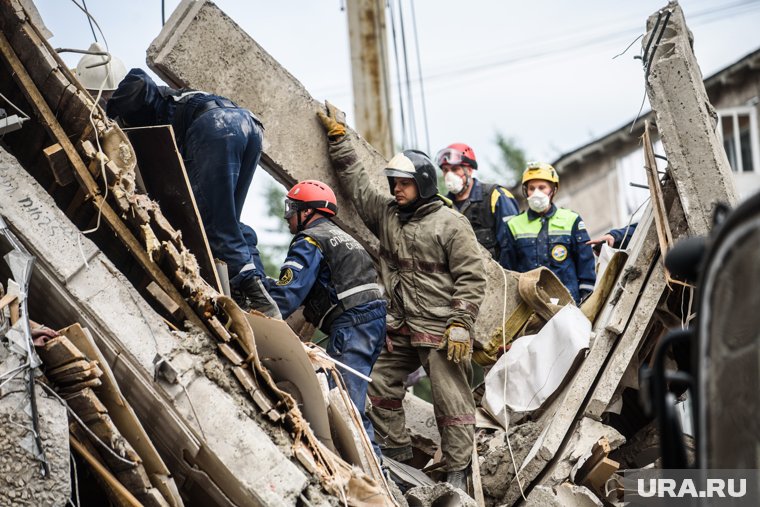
x=104 y=428
x=230 y=354
x=75 y=388
x=163 y=172
x=68 y=368
x=59 y=351
x=86 y=405
x=78 y=376
x=164 y=300
x=123 y=416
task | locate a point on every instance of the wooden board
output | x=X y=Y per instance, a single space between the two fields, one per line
x=160 y=166
x=124 y=417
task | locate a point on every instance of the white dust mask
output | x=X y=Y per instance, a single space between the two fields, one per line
x=538 y=201
x=454 y=183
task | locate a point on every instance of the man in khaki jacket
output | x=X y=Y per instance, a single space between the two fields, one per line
x=434 y=278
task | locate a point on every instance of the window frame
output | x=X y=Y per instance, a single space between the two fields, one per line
x=754 y=134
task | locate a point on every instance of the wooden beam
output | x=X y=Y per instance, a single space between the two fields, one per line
x=59 y=164
x=86 y=180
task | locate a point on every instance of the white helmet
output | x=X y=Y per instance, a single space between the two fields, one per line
x=93 y=76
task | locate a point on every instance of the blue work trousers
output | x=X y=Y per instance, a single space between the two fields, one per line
x=356 y=339
x=221 y=150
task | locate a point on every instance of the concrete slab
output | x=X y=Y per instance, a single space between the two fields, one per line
x=295 y=146
x=686 y=120
x=238 y=455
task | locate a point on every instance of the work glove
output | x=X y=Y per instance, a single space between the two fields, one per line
x=334 y=121
x=457 y=339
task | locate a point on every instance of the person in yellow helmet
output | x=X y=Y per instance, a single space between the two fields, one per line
x=545 y=235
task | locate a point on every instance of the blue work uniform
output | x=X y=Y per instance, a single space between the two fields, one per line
x=556 y=240
x=220 y=144
x=332 y=276
x=488 y=208
x=623 y=235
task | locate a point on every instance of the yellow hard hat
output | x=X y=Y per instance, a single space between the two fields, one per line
x=540 y=171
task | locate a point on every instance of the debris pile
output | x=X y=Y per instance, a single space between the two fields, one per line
x=175 y=395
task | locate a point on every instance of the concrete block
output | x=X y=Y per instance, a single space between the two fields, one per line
x=686 y=120
x=234 y=65
x=587 y=433
x=21 y=480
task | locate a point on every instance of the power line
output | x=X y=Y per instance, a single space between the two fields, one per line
x=422 y=84
x=515 y=57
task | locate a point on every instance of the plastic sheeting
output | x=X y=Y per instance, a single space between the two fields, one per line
x=536 y=365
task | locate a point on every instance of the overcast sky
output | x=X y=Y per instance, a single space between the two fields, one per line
x=539 y=71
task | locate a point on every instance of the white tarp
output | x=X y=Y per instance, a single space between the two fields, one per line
x=536 y=365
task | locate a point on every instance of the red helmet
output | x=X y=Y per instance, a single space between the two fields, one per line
x=311 y=194
x=457 y=154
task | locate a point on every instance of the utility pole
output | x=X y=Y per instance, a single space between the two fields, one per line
x=369 y=69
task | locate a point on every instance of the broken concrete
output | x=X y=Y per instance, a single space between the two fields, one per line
x=21 y=479
x=685 y=119
x=566 y=495
x=130 y=335
x=496 y=462
x=586 y=434
x=441 y=494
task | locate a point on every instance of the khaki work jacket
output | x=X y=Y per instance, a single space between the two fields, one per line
x=431 y=267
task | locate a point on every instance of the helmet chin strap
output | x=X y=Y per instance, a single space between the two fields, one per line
x=301 y=224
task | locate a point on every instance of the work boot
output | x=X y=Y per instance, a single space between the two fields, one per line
x=458 y=479
x=249 y=293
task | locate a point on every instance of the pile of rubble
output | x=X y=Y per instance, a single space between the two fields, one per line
x=171 y=394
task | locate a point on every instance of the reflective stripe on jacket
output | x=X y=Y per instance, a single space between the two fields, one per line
x=556 y=240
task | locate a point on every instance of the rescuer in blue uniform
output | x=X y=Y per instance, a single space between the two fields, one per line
x=332 y=276
x=220 y=144
x=545 y=235
x=487 y=206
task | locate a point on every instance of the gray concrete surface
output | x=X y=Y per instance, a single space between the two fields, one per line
x=237 y=450
x=686 y=121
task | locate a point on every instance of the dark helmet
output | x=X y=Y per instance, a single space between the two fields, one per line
x=414 y=164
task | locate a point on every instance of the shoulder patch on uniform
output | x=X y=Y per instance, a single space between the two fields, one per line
x=286 y=276
x=495 y=199
x=581 y=226
x=311 y=242
x=559 y=253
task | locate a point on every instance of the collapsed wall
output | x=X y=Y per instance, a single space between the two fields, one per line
x=204 y=427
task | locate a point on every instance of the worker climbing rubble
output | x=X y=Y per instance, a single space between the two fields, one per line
x=332 y=276
x=221 y=146
x=487 y=206
x=434 y=277
x=545 y=235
